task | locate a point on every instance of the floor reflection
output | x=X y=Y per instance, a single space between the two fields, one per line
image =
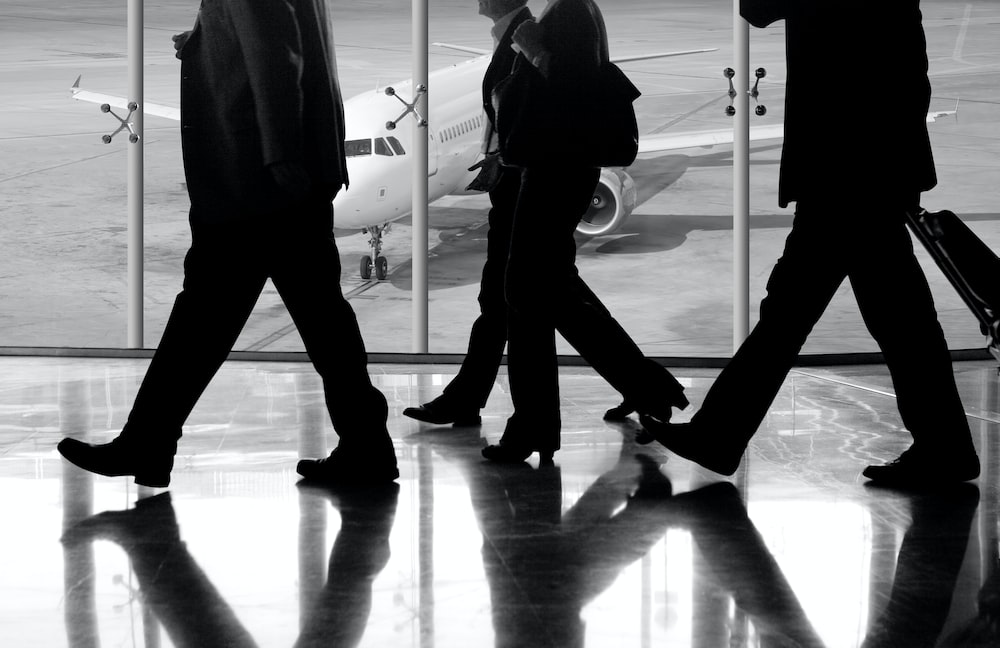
x=614 y=545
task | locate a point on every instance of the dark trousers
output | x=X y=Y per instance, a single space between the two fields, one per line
x=472 y=386
x=546 y=293
x=224 y=273
x=870 y=245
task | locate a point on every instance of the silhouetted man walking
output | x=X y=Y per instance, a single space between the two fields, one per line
x=262 y=131
x=849 y=223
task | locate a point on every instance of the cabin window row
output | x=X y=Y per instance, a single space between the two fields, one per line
x=464 y=127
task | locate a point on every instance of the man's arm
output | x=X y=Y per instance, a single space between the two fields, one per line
x=269 y=39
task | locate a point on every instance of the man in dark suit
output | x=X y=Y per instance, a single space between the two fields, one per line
x=262 y=130
x=567 y=48
x=849 y=223
x=464 y=396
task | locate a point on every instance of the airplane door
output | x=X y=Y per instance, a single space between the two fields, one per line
x=432 y=152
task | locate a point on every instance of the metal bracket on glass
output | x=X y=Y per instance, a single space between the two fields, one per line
x=761 y=109
x=760 y=73
x=411 y=107
x=124 y=123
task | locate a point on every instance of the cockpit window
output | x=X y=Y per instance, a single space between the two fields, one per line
x=396 y=146
x=357 y=148
x=382 y=147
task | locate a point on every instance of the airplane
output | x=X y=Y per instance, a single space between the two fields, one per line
x=377 y=137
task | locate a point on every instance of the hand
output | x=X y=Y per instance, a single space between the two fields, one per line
x=528 y=38
x=489 y=173
x=291 y=177
x=179 y=41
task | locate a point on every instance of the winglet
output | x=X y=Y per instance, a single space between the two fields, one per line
x=76 y=85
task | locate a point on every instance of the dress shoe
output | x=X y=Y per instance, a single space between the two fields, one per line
x=513 y=453
x=916 y=469
x=692 y=443
x=149 y=461
x=662 y=411
x=352 y=467
x=440 y=414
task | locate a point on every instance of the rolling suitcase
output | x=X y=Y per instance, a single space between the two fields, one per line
x=968 y=263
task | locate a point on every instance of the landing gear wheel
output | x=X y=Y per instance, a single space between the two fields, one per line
x=366 y=267
x=381 y=268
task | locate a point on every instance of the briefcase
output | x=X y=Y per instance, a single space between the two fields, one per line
x=968 y=263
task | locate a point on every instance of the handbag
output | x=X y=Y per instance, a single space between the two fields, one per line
x=591 y=126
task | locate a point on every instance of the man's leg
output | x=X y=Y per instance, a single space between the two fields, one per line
x=898 y=308
x=305 y=269
x=461 y=400
x=223 y=277
x=801 y=285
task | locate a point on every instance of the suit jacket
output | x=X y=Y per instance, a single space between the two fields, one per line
x=259 y=86
x=856 y=98
x=500 y=65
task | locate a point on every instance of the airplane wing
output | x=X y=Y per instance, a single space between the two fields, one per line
x=157 y=110
x=704 y=139
x=646 y=57
x=463 y=48
x=620 y=59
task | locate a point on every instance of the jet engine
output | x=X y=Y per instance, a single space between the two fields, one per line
x=614 y=199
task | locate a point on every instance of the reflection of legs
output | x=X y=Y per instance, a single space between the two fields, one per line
x=740 y=562
x=930 y=558
x=172 y=584
x=604 y=537
x=898 y=308
x=360 y=553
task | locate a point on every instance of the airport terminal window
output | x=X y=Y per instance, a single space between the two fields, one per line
x=358 y=148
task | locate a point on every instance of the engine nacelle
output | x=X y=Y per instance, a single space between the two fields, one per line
x=614 y=199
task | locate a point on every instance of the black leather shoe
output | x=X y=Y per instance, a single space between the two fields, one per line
x=510 y=453
x=149 y=462
x=438 y=414
x=661 y=412
x=914 y=469
x=354 y=467
x=692 y=443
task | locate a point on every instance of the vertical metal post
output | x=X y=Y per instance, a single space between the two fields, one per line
x=741 y=179
x=135 y=173
x=419 y=293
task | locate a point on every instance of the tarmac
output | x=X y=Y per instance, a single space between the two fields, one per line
x=666 y=274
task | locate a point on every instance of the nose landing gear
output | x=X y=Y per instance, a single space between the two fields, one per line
x=375 y=262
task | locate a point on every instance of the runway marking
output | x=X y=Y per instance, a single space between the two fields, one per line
x=57 y=166
x=267 y=340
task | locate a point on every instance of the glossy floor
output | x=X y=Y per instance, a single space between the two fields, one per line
x=594 y=551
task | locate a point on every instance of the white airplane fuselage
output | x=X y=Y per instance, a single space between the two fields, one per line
x=381 y=171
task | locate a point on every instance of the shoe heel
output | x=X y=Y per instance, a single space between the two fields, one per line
x=545 y=457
